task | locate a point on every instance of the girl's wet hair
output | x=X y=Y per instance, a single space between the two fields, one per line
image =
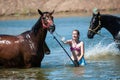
x=77 y=31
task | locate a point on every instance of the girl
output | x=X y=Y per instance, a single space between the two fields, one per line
x=77 y=48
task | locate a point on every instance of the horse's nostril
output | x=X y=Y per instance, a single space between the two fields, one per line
x=90 y=36
x=52 y=28
x=53 y=25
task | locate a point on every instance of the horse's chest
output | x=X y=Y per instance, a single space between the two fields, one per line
x=119 y=22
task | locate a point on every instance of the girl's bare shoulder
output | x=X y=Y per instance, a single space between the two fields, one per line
x=81 y=43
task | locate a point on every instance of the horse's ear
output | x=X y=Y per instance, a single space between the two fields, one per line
x=98 y=13
x=40 y=12
x=52 y=12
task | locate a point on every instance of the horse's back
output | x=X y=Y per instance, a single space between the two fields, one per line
x=10 y=51
x=8 y=45
x=9 y=37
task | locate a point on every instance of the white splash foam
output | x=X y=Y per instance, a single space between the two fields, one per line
x=100 y=50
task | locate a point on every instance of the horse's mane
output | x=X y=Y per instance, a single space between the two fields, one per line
x=36 y=27
x=111 y=23
x=111 y=16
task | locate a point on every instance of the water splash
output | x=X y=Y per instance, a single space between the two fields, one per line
x=101 y=51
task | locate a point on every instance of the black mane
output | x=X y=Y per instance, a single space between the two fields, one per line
x=110 y=22
x=111 y=17
x=37 y=26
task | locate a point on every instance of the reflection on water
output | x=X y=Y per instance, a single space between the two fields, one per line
x=94 y=70
x=26 y=74
x=79 y=71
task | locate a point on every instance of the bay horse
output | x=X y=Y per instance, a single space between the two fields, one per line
x=109 y=22
x=27 y=49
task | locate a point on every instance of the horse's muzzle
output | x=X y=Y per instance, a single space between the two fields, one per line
x=90 y=34
x=52 y=28
x=90 y=37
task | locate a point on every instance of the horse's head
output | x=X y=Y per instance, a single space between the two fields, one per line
x=95 y=25
x=47 y=20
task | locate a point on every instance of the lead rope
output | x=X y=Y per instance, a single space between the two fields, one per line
x=58 y=35
x=76 y=65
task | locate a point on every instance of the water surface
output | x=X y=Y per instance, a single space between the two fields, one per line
x=101 y=54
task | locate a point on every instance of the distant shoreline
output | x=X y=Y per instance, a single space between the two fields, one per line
x=56 y=15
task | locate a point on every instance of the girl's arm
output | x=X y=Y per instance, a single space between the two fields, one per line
x=82 y=50
x=67 y=41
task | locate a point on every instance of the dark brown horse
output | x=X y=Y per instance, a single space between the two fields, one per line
x=27 y=49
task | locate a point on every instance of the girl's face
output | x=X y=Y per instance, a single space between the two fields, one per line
x=75 y=35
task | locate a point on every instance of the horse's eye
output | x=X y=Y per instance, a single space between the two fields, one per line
x=44 y=18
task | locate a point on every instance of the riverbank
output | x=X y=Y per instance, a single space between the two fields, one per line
x=18 y=8
x=56 y=15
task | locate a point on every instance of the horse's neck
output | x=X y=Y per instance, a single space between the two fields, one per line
x=40 y=36
x=111 y=23
x=37 y=34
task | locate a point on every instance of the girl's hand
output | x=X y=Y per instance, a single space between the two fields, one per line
x=76 y=63
x=63 y=39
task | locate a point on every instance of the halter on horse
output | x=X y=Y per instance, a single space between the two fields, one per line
x=27 y=49
x=111 y=23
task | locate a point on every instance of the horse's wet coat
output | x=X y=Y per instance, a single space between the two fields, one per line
x=27 y=49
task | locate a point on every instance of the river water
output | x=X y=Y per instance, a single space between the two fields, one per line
x=101 y=54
